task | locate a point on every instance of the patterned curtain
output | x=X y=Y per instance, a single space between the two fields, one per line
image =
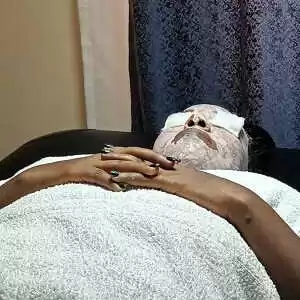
x=243 y=55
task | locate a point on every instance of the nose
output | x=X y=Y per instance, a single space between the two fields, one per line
x=196 y=121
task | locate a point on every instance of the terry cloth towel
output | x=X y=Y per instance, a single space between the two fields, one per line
x=82 y=242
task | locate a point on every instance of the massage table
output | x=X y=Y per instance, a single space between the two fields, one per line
x=82 y=242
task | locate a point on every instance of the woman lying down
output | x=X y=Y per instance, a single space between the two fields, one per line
x=78 y=229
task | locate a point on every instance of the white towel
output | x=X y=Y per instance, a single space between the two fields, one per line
x=82 y=242
x=229 y=121
x=177 y=119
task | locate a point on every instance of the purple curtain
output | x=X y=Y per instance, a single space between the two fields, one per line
x=243 y=55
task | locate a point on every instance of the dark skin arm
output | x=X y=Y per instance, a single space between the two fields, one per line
x=274 y=243
x=93 y=170
x=271 y=239
x=12 y=190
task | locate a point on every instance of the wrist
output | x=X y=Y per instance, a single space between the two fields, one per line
x=44 y=176
x=13 y=189
x=22 y=181
x=66 y=171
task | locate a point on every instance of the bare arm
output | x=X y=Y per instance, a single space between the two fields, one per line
x=271 y=239
x=273 y=242
x=94 y=169
x=32 y=180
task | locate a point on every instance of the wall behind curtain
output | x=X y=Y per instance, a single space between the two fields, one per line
x=41 y=82
x=104 y=34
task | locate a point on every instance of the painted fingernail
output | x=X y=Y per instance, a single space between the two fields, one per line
x=108 y=146
x=123 y=186
x=105 y=151
x=114 y=173
x=108 y=149
x=155 y=165
x=173 y=159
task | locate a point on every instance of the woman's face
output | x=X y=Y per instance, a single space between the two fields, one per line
x=205 y=137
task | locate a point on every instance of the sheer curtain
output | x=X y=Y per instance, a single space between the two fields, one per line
x=104 y=36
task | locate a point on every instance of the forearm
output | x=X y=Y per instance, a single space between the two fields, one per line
x=32 y=180
x=273 y=242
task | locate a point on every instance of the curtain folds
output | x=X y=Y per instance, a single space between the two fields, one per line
x=243 y=55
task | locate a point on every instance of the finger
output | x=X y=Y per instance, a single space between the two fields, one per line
x=102 y=178
x=128 y=166
x=146 y=154
x=119 y=156
x=114 y=187
x=136 y=179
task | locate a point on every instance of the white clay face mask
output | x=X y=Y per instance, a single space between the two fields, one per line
x=218 y=145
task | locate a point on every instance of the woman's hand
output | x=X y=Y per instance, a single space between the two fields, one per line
x=219 y=195
x=216 y=194
x=95 y=169
x=270 y=238
x=98 y=169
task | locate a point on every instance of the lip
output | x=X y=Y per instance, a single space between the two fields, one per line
x=201 y=134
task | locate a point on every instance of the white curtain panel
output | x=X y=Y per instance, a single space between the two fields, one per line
x=105 y=50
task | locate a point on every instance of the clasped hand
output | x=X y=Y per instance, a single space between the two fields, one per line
x=134 y=166
x=144 y=168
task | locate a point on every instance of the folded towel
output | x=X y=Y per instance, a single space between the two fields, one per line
x=83 y=242
x=229 y=121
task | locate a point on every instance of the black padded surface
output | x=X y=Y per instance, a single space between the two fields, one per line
x=65 y=143
x=282 y=164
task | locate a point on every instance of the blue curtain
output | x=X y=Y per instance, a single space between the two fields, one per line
x=243 y=55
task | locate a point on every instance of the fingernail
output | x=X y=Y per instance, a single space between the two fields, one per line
x=105 y=151
x=108 y=149
x=173 y=159
x=155 y=165
x=119 y=189
x=123 y=187
x=114 y=173
x=108 y=146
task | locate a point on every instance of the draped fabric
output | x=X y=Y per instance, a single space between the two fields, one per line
x=242 y=55
x=104 y=39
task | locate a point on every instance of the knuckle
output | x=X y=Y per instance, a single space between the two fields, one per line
x=131 y=157
x=101 y=173
x=119 y=149
x=97 y=156
x=114 y=164
x=94 y=157
x=132 y=150
x=132 y=177
x=87 y=174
